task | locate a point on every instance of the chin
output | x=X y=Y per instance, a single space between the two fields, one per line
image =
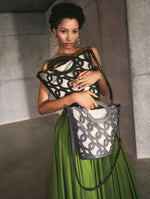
x=69 y=46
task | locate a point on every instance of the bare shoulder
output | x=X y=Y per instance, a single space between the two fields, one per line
x=45 y=63
x=94 y=50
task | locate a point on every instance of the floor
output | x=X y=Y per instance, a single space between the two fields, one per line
x=25 y=156
x=141 y=169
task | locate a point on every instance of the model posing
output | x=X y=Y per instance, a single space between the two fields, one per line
x=66 y=20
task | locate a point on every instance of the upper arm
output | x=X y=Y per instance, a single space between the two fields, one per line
x=97 y=56
x=43 y=91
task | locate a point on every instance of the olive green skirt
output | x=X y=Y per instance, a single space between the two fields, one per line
x=63 y=183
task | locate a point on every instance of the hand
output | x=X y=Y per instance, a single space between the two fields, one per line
x=85 y=99
x=85 y=79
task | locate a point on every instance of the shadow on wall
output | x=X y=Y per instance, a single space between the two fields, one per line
x=33 y=49
x=25 y=42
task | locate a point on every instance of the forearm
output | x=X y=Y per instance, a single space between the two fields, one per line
x=102 y=84
x=51 y=106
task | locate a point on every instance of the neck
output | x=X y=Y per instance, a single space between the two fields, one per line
x=67 y=51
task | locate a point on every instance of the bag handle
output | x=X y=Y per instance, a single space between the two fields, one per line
x=74 y=161
x=101 y=70
x=102 y=105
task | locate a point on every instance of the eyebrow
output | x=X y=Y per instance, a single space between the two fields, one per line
x=67 y=29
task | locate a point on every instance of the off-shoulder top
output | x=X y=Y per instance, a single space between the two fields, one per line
x=61 y=70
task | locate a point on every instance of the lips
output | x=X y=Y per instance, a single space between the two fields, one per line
x=68 y=44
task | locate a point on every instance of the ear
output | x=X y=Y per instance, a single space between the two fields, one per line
x=54 y=31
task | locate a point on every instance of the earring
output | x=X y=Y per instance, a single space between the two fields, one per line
x=54 y=39
x=78 y=41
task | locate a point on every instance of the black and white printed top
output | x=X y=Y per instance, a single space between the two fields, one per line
x=61 y=70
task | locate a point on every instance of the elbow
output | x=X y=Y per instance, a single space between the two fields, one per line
x=105 y=91
x=40 y=111
x=104 y=94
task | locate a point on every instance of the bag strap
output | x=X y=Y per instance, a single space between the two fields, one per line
x=101 y=70
x=74 y=161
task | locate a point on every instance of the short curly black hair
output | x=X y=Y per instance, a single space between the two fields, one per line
x=66 y=10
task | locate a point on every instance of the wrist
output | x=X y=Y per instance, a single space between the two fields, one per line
x=74 y=98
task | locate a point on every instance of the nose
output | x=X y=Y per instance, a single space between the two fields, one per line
x=69 y=36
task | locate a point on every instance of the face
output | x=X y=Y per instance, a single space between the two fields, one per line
x=67 y=33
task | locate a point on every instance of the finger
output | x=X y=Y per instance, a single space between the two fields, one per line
x=88 y=108
x=95 y=104
x=93 y=94
x=80 y=86
x=83 y=86
x=74 y=82
x=92 y=106
x=82 y=73
x=78 y=82
x=71 y=82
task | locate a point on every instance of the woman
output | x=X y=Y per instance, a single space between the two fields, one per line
x=66 y=20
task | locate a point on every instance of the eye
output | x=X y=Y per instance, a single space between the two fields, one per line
x=75 y=31
x=63 y=31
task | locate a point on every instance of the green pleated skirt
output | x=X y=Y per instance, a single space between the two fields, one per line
x=63 y=183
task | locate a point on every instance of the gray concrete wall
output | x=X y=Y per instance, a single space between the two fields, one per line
x=139 y=36
x=27 y=42
x=115 y=58
x=23 y=48
x=25 y=154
